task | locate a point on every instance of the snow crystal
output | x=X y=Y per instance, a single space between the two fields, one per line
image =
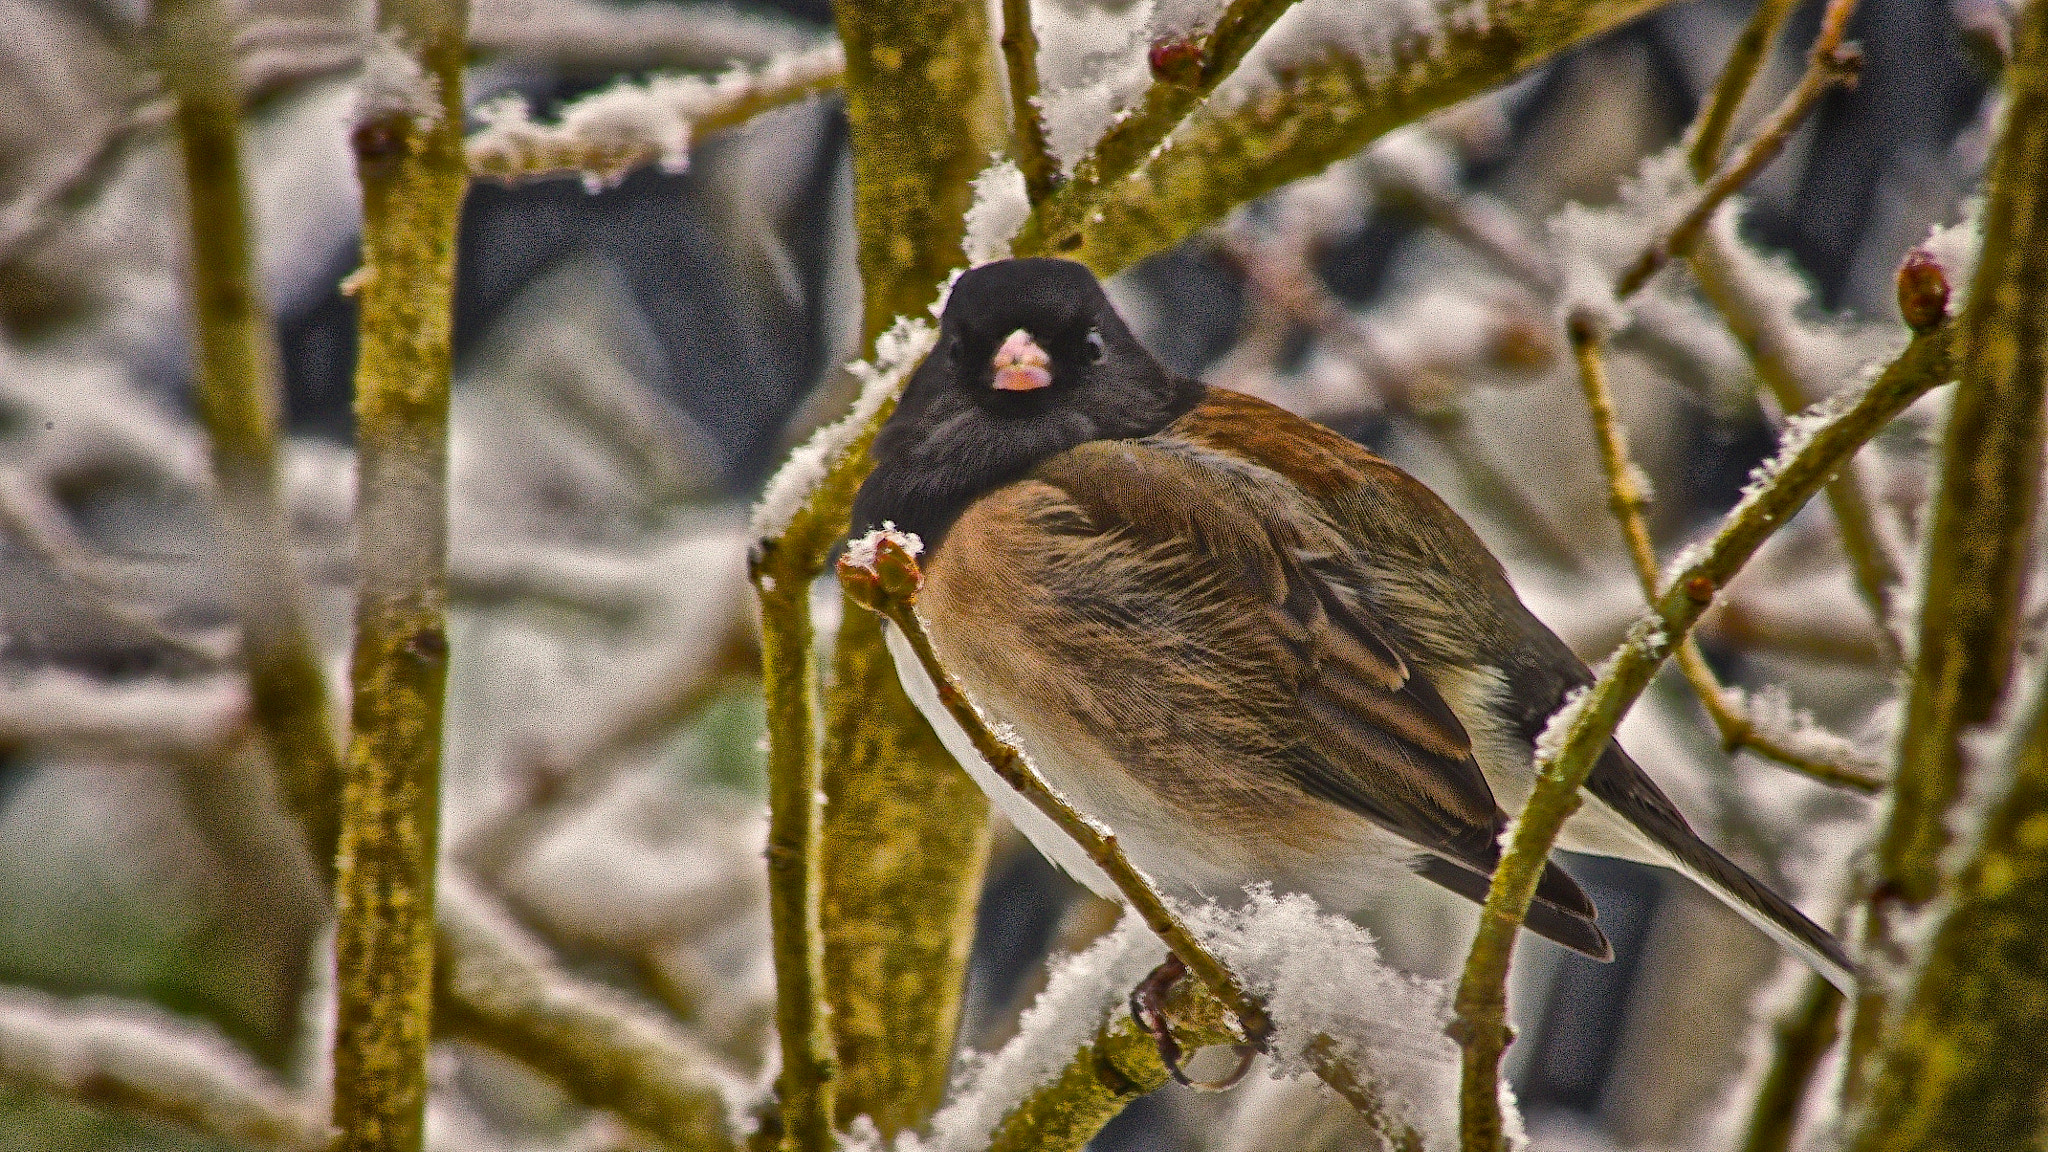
x=1550 y=743
x=394 y=84
x=897 y=353
x=862 y=552
x=1000 y=208
x=1368 y=33
x=1321 y=975
x=1085 y=989
x=1595 y=245
x=1772 y=711
x=1092 y=70
x=1955 y=247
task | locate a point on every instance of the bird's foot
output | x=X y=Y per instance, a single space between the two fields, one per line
x=1148 y=1011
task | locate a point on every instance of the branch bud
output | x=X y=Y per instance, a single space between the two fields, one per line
x=1923 y=290
x=1176 y=60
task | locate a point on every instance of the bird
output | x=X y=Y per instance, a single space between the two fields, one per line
x=1256 y=651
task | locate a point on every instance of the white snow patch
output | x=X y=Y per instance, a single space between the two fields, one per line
x=1595 y=245
x=897 y=352
x=1955 y=248
x=861 y=553
x=609 y=133
x=1085 y=989
x=1321 y=975
x=1000 y=207
x=394 y=84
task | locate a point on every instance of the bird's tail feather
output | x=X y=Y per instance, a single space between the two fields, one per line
x=1623 y=787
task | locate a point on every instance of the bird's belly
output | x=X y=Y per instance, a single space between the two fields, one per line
x=1343 y=865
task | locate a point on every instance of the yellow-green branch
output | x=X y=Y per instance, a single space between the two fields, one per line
x=1745 y=57
x=236 y=394
x=409 y=159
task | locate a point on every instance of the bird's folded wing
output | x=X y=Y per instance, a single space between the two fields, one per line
x=1259 y=591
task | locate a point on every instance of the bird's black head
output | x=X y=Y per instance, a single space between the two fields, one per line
x=1031 y=360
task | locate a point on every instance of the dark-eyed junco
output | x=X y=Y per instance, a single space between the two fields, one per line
x=1250 y=647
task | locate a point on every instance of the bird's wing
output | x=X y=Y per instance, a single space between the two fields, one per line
x=1262 y=600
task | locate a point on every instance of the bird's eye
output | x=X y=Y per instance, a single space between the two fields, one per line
x=1097 y=350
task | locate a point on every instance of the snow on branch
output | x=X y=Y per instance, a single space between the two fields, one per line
x=606 y=135
x=143 y=1061
x=897 y=353
x=1396 y=62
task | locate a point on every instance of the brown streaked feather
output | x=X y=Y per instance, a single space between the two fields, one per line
x=1177 y=562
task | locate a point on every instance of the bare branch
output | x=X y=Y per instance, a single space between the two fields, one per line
x=1628 y=498
x=238 y=398
x=408 y=144
x=1751 y=48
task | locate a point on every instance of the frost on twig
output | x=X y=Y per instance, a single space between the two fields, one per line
x=146 y=1062
x=897 y=353
x=604 y=136
x=394 y=84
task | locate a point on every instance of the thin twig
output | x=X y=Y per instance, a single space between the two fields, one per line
x=1628 y=499
x=1027 y=135
x=238 y=398
x=1581 y=730
x=409 y=159
x=1804 y=1037
x=1832 y=65
x=1751 y=48
x=1773 y=354
x=889 y=588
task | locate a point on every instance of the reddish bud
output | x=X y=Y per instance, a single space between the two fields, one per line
x=1923 y=290
x=1700 y=588
x=1176 y=60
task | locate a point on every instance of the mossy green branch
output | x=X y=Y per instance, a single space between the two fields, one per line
x=1977 y=550
x=409 y=159
x=1220 y=157
x=1963 y=1067
x=905 y=847
x=924 y=103
x=1803 y=1039
x=1119 y=1065
x=782 y=580
x=1185 y=73
x=1582 y=732
x=925 y=111
x=499 y=990
x=236 y=393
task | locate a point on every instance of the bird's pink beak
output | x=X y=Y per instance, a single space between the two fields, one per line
x=1021 y=365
